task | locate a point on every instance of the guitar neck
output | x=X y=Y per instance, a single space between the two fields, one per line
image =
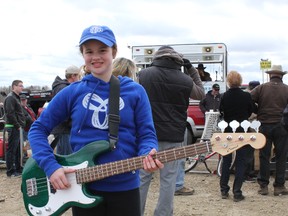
x=102 y=171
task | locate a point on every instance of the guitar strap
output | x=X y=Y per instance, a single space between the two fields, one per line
x=113 y=116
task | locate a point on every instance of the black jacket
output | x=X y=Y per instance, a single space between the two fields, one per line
x=65 y=126
x=58 y=85
x=14 y=114
x=210 y=102
x=236 y=105
x=168 y=90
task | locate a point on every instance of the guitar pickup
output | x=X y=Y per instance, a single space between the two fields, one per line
x=31 y=187
x=52 y=189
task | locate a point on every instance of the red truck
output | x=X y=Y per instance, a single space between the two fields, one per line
x=212 y=55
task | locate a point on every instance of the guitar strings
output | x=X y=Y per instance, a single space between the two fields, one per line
x=106 y=170
x=41 y=184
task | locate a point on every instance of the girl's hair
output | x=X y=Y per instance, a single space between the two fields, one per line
x=124 y=67
x=84 y=70
x=234 y=79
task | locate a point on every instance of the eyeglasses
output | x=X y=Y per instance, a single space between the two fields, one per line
x=21 y=86
x=216 y=89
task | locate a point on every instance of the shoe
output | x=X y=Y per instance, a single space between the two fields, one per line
x=263 y=190
x=279 y=191
x=184 y=192
x=250 y=179
x=14 y=175
x=238 y=198
x=224 y=195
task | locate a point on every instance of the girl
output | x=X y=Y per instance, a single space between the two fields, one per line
x=86 y=103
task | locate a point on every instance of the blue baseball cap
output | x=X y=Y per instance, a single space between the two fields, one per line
x=100 y=33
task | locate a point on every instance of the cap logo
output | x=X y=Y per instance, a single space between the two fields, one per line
x=96 y=29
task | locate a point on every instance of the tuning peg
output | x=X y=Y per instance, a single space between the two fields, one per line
x=229 y=137
x=253 y=138
x=245 y=125
x=222 y=125
x=241 y=138
x=217 y=138
x=234 y=125
x=255 y=125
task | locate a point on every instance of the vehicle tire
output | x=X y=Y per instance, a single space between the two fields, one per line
x=189 y=136
x=220 y=162
x=191 y=163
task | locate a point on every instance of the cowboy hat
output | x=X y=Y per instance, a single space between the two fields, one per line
x=276 y=69
x=200 y=66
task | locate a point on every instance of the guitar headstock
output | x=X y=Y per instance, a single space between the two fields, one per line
x=226 y=143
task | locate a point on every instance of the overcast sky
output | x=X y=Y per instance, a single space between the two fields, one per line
x=39 y=38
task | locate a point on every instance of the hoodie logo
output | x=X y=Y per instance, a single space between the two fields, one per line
x=100 y=108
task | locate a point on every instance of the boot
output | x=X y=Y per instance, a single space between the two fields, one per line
x=263 y=190
x=279 y=191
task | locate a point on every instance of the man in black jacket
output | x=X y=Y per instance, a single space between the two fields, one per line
x=14 y=121
x=212 y=100
x=168 y=89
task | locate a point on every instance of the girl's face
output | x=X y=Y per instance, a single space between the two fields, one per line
x=98 y=59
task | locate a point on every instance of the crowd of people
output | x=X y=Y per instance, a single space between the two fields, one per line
x=152 y=117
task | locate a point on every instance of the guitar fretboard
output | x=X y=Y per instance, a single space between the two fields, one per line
x=102 y=171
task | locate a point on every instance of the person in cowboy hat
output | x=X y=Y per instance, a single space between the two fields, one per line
x=205 y=76
x=272 y=98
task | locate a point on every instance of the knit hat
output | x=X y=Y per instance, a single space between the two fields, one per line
x=253 y=84
x=168 y=52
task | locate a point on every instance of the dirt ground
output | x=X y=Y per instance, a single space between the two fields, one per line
x=205 y=201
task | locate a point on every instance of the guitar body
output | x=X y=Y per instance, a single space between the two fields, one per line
x=39 y=196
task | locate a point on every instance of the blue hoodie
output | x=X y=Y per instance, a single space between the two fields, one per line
x=86 y=102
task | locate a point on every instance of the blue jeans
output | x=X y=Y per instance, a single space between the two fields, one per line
x=167 y=184
x=276 y=134
x=180 y=174
x=181 y=168
x=63 y=146
x=13 y=151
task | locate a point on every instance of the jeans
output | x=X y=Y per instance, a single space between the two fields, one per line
x=276 y=134
x=180 y=174
x=181 y=168
x=63 y=146
x=13 y=151
x=167 y=184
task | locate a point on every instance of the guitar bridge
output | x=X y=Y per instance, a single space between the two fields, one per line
x=31 y=187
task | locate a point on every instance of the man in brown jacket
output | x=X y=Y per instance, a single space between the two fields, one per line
x=272 y=97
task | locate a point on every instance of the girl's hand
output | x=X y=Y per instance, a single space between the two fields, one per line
x=150 y=164
x=59 y=180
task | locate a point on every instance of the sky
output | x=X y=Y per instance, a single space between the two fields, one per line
x=39 y=39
